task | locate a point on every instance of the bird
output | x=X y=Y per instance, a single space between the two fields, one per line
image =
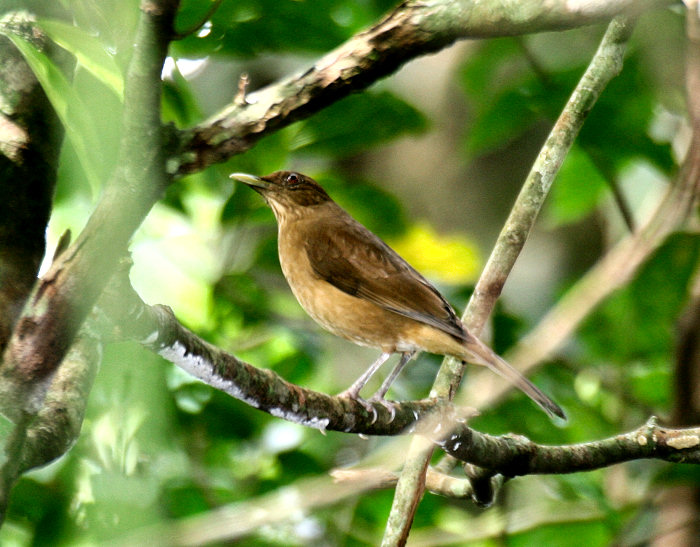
x=358 y=288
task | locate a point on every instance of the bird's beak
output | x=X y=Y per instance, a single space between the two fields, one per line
x=250 y=180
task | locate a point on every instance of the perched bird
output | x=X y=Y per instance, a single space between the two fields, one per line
x=357 y=287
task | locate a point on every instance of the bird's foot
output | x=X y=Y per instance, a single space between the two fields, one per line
x=367 y=405
x=389 y=405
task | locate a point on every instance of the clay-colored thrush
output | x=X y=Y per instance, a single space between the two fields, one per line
x=354 y=285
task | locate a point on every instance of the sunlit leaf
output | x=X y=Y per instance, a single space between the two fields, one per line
x=74 y=116
x=89 y=51
x=452 y=258
x=179 y=103
x=577 y=190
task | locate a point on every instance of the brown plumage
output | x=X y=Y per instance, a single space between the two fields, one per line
x=357 y=287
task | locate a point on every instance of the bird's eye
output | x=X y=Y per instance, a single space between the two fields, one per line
x=293 y=178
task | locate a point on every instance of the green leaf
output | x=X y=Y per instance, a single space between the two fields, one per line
x=577 y=191
x=374 y=207
x=503 y=92
x=241 y=295
x=591 y=532
x=651 y=384
x=617 y=129
x=179 y=102
x=637 y=323
x=74 y=116
x=89 y=51
x=357 y=123
x=239 y=205
x=502 y=121
x=247 y=27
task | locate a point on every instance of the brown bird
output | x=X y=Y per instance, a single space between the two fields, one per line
x=354 y=285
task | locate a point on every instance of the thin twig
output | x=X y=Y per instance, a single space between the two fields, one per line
x=243 y=81
x=611 y=272
x=606 y=64
x=607 y=173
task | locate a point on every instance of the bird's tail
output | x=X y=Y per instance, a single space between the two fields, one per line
x=479 y=353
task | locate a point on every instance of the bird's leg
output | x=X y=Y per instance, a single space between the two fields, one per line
x=353 y=392
x=405 y=358
x=381 y=392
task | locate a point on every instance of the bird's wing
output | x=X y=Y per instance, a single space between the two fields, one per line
x=354 y=260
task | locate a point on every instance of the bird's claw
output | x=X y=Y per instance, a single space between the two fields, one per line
x=367 y=405
x=389 y=405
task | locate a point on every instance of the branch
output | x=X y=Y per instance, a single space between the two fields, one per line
x=236 y=520
x=414 y=28
x=515 y=455
x=678 y=504
x=605 y=65
x=686 y=403
x=58 y=423
x=604 y=167
x=614 y=270
x=380 y=479
x=61 y=300
x=611 y=272
x=30 y=138
x=38 y=440
x=158 y=330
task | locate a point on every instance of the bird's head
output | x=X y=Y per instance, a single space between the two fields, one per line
x=286 y=192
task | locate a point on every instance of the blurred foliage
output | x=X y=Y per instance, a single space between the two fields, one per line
x=450 y=259
x=158 y=445
x=250 y=27
x=341 y=129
